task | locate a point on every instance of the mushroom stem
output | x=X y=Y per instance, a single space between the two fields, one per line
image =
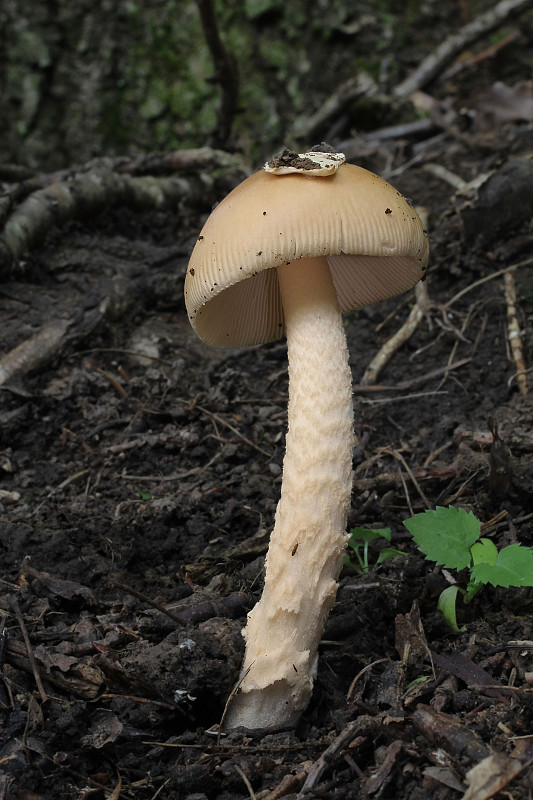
x=307 y=544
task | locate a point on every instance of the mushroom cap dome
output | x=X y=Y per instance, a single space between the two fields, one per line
x=372 y=238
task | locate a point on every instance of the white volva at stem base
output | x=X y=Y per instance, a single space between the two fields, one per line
x=307 y=544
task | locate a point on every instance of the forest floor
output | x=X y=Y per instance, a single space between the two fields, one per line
x=139 y=476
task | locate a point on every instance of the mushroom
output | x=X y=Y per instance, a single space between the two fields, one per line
x=286 y=252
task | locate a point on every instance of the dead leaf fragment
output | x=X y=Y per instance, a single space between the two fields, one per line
x=385 y=772
x=410 y=639
x=450 y=734
x=490 y=776
x=105 y=728
x=504 y=103
x=445 y=776
x=68 y=590
x=49 y=659
x=473 y=675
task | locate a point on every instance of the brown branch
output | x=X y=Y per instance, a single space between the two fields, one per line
x=489 y=52
x=448 y=732
x=35 y=352
x=28 y=210
x=235 y=431
x=29 y=651
x=454 y=44
x=150 y=601
x=403 y=385
x=194 y=160
x=513 y=333
x=364 y=726
x=393 y=480
x=387 y=350
x=116 y=296
x=361 y=85
x=84 y=196
x=81 y=680
x=226 y=72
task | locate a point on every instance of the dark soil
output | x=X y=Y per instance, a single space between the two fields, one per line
x=140 y=472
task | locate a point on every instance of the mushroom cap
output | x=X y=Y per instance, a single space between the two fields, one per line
x=372 y=238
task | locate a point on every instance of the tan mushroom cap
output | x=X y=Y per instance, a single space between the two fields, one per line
x=373 y=240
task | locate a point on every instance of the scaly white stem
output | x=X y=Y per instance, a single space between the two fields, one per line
x=307 y=544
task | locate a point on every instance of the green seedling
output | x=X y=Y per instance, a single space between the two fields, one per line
x=452 y=538
x=359 y=540
x=421 y=679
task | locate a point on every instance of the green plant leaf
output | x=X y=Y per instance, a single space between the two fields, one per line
x=254 y=8
x=446 y=606
x=513 y=567
x=368 y=535
x=445 y=535
x=359 y=540
x=473 y=588
x=484 y=552
x=421 y=679
x=356 y=567
x=388 y=552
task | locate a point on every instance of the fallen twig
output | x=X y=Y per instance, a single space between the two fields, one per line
x=28 y=210
x=442 y=172
x=490 y=277
x=361 y=85
x=403 y=385
x=359 y=727
x=196 y=159
x=398 y=456
x=235 y=431
x=34 y=352
x=513 y=333
x=418 y=311
x=200 y=159
x=226 y=72
x=454 y=44
x=392 y=480
x=87 y=194
x=368 y=667
x=149 y=601
x=115 y=297
x=448 y=732
x=29 y=651
x=246 y=781
x=489 y=52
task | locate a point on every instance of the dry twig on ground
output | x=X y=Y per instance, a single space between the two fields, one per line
x=362 y=726
x=361 y=85
x=226 y=72
x=454 y=44
x=30 y=209
x=513 y=332
x=86 y=194
x=113 y=298
x=418 y=311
